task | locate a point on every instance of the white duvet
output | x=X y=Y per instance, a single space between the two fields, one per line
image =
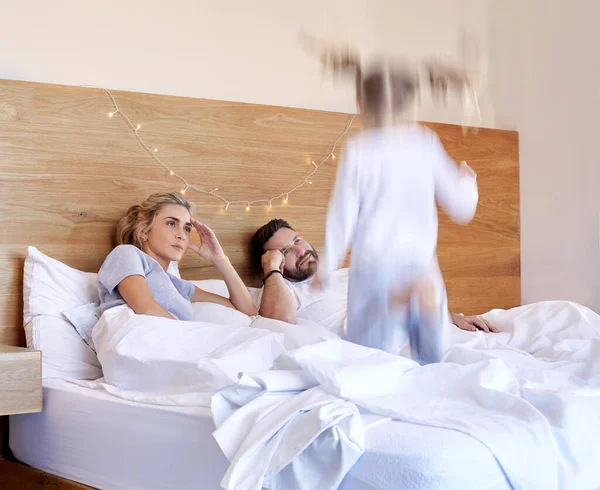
x=297 y=415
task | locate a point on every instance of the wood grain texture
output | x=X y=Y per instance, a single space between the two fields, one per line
x=68 y=172
x=20 y=380
x=17 y=476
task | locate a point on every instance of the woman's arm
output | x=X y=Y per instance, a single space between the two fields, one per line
x=136 y=294
x=201 y=296
x=210 y=249
x=239 y=296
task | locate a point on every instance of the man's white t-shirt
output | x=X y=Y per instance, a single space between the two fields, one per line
x=328 y=307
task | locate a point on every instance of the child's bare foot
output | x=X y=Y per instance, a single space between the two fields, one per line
x=400 y=297
x=427 y=295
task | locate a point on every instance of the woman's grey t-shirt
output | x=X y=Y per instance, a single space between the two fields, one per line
x=170 y=292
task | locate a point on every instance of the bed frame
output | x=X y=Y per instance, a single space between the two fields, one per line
x=68 y=171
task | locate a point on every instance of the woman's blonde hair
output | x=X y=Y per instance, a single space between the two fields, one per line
x=133 y=228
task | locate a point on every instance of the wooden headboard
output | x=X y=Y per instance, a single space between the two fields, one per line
x=68 y=172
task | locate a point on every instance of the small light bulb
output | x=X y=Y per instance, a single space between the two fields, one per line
x=248 y=207
x=171 y=172
x=270 y=204
x=310 y=181
x=139 y=126
x=286 y=198
x=333 y=156
x=111 y=114
x=183 y=191
x=155 y=150
x=226 y=206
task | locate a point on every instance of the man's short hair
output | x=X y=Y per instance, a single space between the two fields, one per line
x=263 y=235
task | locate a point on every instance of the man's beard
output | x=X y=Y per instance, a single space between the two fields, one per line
x=303 y=272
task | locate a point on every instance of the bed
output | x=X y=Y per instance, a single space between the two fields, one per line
x=95 y=438
x=68 y=170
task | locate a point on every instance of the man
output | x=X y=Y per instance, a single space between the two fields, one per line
x=289 y=263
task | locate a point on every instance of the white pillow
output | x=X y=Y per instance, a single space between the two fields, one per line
x=83 y=318
x=54 y=291
x=222 y=315
x=218 y=286
x=219 y=314
x=64 y=354
x=51 y=287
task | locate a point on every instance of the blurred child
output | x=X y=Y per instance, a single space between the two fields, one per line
x=384 y=206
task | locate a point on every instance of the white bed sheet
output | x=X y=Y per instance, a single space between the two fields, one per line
x=106 y=442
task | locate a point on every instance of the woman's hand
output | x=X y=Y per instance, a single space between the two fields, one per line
x=210 y=248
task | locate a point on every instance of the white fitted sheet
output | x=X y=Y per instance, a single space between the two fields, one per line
x=106 y=442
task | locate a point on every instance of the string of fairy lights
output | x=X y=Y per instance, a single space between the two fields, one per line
x=186 y=185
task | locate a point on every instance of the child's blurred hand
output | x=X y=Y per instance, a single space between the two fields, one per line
x=317 y=283
x=465 y=170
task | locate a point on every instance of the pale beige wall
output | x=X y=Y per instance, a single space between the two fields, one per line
x=546 y=73
x=543 y=71
x=226 y=49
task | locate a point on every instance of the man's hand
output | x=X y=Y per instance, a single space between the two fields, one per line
x=277 y=301
x=472 y=323
x=272 y=260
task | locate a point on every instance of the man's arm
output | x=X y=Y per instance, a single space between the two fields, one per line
x=277 y=300
x=472 y=323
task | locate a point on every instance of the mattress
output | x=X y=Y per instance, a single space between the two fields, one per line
x=106 y=442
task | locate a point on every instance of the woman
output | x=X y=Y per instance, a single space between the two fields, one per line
x=151 y=236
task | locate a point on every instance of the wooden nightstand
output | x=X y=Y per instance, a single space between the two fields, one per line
x=20 y=380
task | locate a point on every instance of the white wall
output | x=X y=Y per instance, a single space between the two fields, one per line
x=225 y=49
x=546 y=72
x=543 y=71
